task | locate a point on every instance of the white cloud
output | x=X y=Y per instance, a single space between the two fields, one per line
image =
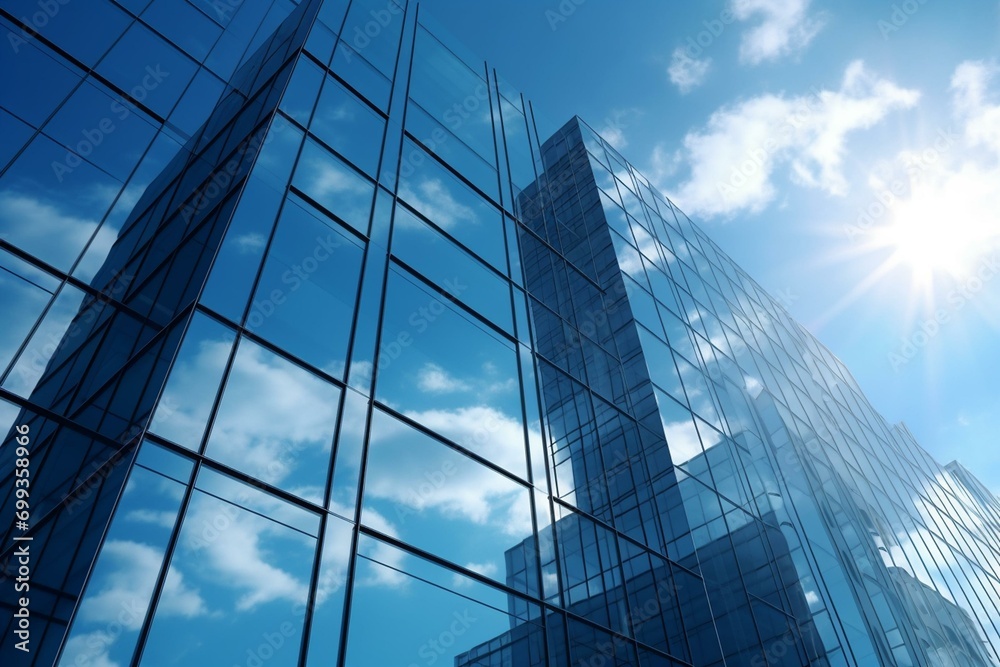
x=275 y=418
x=37 y=224
x=330 y=180
x=163 y=519
x=735 y=156
x=682 y=438
x=124 y=593
x=486 y=569
x=433 y=199
x=785 y=28
x=90 y=648
x=436 y=380
x=236 y=558
x=970 y=98
x=663 y=164
x=250 y=242
x=390 y=557
x=687 y=73
x=473 y=493
x=182 y=411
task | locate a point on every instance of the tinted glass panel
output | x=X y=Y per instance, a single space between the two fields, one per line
x=246 y=570
x=121 y=585
x=193 y=383
x=305 y=298
x=461 y=621
x=425 y=493
x=472 y=398
x=276 y=422
x=428 y=251
x=453 y=206
x=334 y=185
x=349 y=126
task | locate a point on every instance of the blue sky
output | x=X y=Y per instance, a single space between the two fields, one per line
x=847 y=155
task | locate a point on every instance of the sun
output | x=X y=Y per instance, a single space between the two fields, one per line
x=936 y=240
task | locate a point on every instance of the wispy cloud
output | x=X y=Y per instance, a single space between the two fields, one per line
x=735 y=156
x=971 y=101
x=687 y=73
x=663 y=164
x=253 y=431
x=786 y=27
x=132 y=582
x=434 y=379
x=38 y=223
x=614 y=126
x=243 y=557
x=433 y=199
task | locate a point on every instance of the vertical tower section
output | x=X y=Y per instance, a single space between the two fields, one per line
x=602 y=350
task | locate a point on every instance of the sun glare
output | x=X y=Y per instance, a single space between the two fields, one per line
x=934 y=241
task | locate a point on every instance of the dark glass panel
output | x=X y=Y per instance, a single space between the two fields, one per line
x=308 y=288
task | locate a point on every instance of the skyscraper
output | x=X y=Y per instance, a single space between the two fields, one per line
x=326 y=349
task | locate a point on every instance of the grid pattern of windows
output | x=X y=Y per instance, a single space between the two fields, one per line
x=337 y=361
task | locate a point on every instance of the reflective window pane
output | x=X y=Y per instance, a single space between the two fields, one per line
x=182 y=413
x=276 y=422
x=331 y=589
x=425 y=493
x=453 y=93
x=106 y=626
x=471 y=398
x=453 y=206
x=454 y=270
x=238 y=580
x=335 y=186
x=349 y=126
x=460 y=621
x=308 y=288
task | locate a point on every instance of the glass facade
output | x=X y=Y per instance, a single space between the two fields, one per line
x=329 y=350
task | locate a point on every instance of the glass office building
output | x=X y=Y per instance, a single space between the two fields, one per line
x=325 y=348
